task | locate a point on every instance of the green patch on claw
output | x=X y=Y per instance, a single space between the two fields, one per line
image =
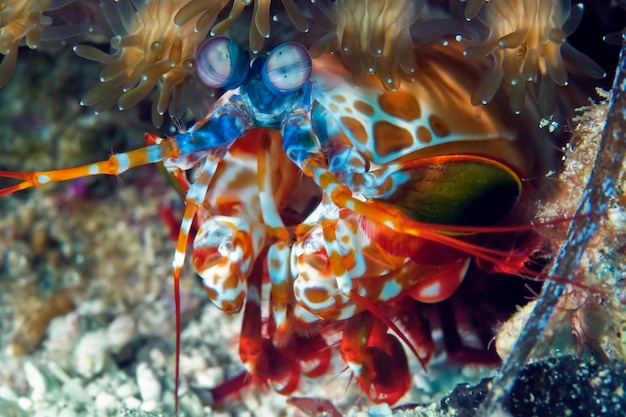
x=460 y=189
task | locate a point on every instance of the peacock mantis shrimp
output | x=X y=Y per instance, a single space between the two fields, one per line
x=386 y=189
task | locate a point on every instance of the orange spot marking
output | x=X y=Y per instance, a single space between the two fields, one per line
x=424 y=135
x=364 y=108
x=233 y=306
x=400 y=104
x=317 y=295
x=232 y=281
x=338 y=98
x=350 y=260
x=211 y=293
x=274 y=264
x=439 y=126
x=204 y=259
x=390 y=138
x=356 y=128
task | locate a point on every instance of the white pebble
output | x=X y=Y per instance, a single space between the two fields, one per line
x=67 y=412
x=105 y=401
x=150 y=388
x=126 y=390
x=25 y=403
x=210 y=377
x=120 y=332
x=157 y=358
x=62 y=332
x=36 y=380
x=90 y=353
x=191 y=364
x=132 y=403
x=149 y=405
x=191 y=405
x=7 y=393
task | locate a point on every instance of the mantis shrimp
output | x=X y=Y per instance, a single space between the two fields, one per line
x=383 y=189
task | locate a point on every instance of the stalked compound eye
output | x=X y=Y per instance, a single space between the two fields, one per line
x=221 y=62
x=287 y=68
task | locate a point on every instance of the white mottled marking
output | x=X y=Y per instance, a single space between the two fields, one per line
x=431 y=291
x=185 y=224
x=179 y=259
x=123 y=162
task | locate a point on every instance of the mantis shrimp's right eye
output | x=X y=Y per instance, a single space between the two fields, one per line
x=222 y=63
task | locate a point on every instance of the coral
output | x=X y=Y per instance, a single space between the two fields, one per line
x=527 y=40
x=149 y=51
x=259 y=26
x=24 y=20
x=594 y=312
x=373 y=37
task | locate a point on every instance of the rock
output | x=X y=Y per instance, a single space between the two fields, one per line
x=565 y=385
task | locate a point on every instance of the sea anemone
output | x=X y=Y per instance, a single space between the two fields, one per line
x=473 y=7
x=616 y=38
x=148 y=51
x=24 y=20
x=373 y=37
x=207 y=13
x=527 y=42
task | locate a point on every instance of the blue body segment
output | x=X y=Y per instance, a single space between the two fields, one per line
x=229 y=122
x=269 y=107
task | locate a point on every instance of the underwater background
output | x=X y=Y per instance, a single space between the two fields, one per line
x=86 y=304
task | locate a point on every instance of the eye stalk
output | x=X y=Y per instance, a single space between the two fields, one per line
x=287 y=68
x=222 y=63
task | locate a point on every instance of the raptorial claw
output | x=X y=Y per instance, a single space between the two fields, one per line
x=224 y=251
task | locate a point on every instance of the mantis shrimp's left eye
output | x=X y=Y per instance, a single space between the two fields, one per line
x=221 y=62
x=287 y=68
